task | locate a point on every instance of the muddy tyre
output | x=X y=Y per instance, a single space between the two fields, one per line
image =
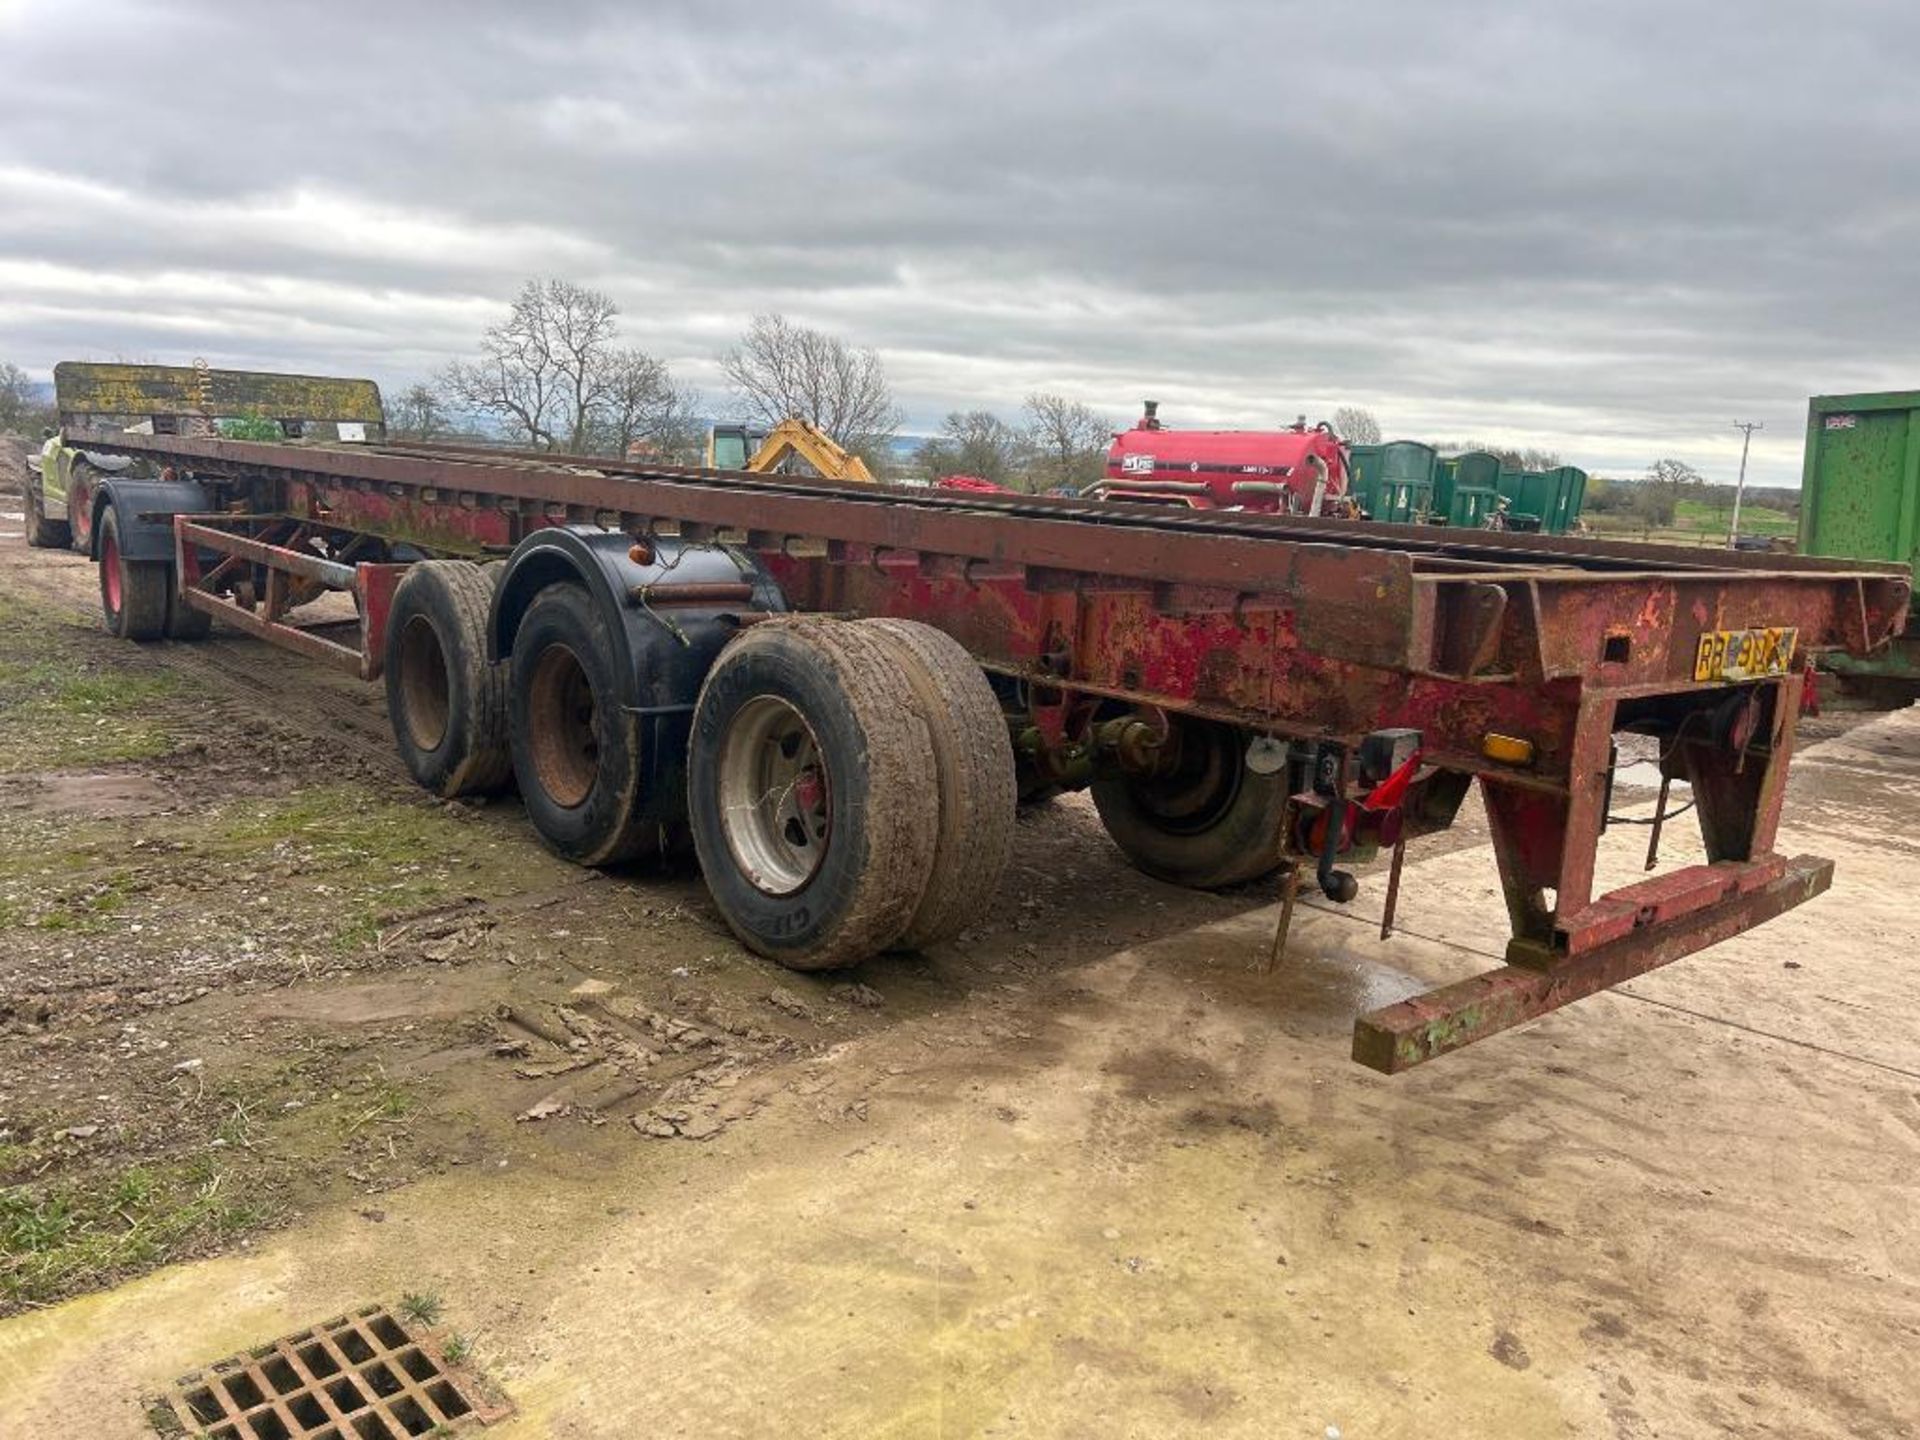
x=183 y=621
x=42 y=533
x=1208 y=822
x=80 y=492
x=973 y=776
x=447 y=705
x=133 y=593
x=576 y=750
x=808 y=783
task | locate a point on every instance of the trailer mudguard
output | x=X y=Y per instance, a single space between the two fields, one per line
x=143 y=512
x=670 y=614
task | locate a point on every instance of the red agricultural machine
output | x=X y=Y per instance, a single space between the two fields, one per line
x=1302 y=470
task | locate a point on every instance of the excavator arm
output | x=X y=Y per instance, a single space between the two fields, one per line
x=829 y=459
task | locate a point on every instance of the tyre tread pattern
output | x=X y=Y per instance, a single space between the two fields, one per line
x=974 y=767
x=900 y=829
x=468 y=590
x=42 y=533
x=143 y=591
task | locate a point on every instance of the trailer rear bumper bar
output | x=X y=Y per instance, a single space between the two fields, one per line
x=1713 y=903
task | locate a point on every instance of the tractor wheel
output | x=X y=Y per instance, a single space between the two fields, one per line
x=446 y=703
x=133 y=593
x=42 y=533
x=80 y=490
x=576 y=751
x=809 y=780
x=973 y=774
x=1208 y=822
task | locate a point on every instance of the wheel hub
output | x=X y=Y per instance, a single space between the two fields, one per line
x=775 y=795
x=566 y=749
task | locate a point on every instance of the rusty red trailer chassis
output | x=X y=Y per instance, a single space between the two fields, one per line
x=1315 y=630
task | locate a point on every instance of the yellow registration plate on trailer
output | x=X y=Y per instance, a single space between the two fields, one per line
x=1745 y=654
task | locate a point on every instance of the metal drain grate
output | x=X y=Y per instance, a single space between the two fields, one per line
x=359 y=1377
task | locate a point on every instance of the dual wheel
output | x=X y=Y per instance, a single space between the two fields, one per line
x=850 y=788
x=138 y=598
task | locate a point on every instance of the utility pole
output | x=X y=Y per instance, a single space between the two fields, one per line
x=1747 y=427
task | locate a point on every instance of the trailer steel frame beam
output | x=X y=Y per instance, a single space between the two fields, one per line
x=1312 y=629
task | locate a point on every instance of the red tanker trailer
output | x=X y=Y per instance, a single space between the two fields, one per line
x=1301 y=470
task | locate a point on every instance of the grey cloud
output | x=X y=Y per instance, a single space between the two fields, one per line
x=1610 y=229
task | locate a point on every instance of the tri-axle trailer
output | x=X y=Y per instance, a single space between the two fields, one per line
x=835 y=694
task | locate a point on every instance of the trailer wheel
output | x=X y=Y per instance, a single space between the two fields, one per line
x=973 y=774
x=1207 y=823
x=576 y=751
x=183 y=621
x=133 y=593
x=808 y=784
x=446 y=703
x=42 y=533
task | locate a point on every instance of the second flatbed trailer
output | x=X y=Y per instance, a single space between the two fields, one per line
x=835 y=693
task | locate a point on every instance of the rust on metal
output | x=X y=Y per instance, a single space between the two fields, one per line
x=1316 y=630
x=86 y=388
x=1414 y=1031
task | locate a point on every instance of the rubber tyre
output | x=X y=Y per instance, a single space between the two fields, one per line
x=1211 y=824
x=183 y=621
x=133 y=593
x=81 y=529
x=576 y=752
x=42 y=533
x=447 y=705
x=973 y=774
x=851 y=692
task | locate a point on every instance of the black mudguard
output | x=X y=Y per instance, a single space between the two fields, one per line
x=143 y=512
x=666 y=650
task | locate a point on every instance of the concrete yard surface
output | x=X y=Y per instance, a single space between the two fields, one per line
x=1146 y=1194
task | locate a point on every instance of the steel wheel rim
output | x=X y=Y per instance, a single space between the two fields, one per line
x=110 y=574
x=565 y=743
x=775 y=796
x=1202 y=786
x=424 y=687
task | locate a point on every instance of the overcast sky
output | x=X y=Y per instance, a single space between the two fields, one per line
x=1609 y=228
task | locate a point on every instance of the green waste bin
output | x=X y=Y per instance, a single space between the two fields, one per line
x=1363 y=477
x=1466 y=494
x=1395 y=480
x=1569 y=494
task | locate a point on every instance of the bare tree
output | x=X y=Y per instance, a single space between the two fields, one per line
x=1069 y=439
x=1514 y=457
x=417 y=414
x=1356 y=426
x=1656 y=499
x=977 y=442
x=642 y=412
x=780 y=370
x=552 y=374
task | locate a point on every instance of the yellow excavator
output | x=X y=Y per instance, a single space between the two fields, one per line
x=739 y=447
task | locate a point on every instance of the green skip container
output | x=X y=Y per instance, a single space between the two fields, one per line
x=1860 y=500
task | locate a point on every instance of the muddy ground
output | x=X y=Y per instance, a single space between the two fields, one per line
x=1079 y=1173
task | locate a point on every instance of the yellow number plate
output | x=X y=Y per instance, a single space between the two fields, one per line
x=1744 y=654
